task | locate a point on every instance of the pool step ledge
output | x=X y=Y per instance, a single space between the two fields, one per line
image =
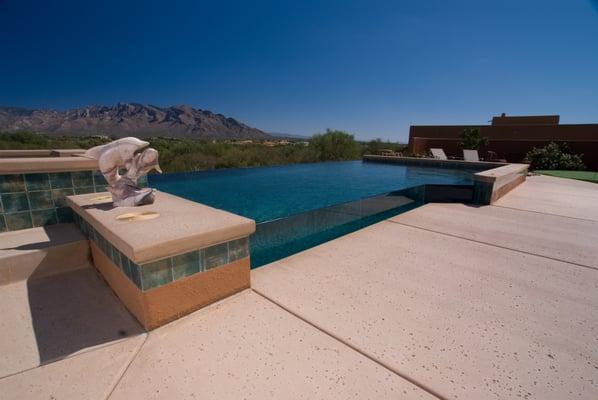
x=36 y=253
x=166 y=259
x=491 y=185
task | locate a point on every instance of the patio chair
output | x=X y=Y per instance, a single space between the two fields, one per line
x=438 y=154
x=471 y=155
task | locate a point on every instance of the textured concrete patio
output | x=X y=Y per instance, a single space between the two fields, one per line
x=446 y=301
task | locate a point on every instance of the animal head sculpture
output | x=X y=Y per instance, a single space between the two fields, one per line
x=118 y=155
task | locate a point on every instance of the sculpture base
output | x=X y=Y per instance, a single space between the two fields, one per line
x=138 y=197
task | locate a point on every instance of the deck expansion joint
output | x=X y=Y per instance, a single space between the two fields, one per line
x=544 y=213
x=493 y=245
x=79 y=353
x=356 y=349
x=133 y=358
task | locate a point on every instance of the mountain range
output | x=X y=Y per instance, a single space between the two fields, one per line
x=128 y=119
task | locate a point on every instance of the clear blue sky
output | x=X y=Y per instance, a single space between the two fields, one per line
x=369 y=67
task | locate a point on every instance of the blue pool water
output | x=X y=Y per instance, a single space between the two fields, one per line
x=269 y=193
x=300 y=206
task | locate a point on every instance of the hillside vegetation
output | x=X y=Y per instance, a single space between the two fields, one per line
x=180 y=155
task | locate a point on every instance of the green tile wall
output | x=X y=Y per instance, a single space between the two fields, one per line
x=154 y=274
x=31 y=200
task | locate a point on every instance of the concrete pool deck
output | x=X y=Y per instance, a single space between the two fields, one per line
x=445 y=301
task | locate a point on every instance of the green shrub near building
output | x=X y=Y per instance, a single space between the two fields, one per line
x=554 y=156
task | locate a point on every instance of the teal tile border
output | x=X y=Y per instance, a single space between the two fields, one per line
x=15 y=202
x=44 y=217
x=19 y=220
x=37 y=182
x=156 y=274
x=59 y=196
x=60 y=180
x=40 y=200
x=238 y=249
x=160 y=272
x=187 y=264
x=82 y=179
x=32 y=200
x=12 y=183
x=216 y=255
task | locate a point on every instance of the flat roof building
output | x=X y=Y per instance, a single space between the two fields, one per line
x=511 y=137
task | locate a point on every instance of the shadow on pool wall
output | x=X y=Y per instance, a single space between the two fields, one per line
x=283 y=237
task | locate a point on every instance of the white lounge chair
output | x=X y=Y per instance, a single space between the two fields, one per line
x=438 y=154
x=471 y=155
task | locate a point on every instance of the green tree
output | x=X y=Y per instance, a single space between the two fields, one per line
x=335 y=146
x=472 y=139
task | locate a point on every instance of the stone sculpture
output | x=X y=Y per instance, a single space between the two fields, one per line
x=122 y=167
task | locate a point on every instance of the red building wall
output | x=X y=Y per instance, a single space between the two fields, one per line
x=510 y=142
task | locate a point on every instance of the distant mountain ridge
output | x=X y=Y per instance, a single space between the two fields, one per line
x=128 y=119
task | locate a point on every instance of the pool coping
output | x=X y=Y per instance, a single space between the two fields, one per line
x=490 y=184
x=434 y=162
x=22 y=153
x=181 y=225
x=28 y=165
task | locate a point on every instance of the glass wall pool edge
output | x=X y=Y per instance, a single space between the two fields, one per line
x=283 y=237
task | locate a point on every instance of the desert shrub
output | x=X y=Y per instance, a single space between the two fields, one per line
x=335 y=146
x=31 y=141
x=554 y=156
x=178 y=155
x=374 y=146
